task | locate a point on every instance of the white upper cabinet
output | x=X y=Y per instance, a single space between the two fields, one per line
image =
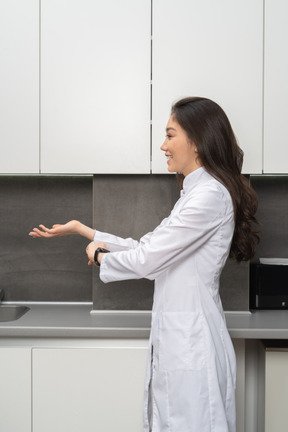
x=213 y=49
x=19 y=86
x=276 y=87
x=95 y=86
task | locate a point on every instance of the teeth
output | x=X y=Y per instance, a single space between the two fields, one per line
x=169 y=157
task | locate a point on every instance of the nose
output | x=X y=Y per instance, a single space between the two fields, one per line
x=164 y=146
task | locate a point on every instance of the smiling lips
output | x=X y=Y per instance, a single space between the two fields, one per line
x=169 y=157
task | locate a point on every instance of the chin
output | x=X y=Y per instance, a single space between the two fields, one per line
x=171 y=170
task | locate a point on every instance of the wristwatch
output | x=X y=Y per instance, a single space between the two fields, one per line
x=99 y=250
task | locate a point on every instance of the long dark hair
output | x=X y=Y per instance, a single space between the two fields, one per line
x=208 y=127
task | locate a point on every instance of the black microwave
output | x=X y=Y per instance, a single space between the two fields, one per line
x=268 y=286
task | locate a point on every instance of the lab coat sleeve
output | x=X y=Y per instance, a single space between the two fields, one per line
x=116 y=244
x=184 y=232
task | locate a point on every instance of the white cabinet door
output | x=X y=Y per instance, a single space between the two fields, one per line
x=276 y=87
x=15 y=389
x=213 y=49
x=88 y=390
x=95 y=86
x=19 y=86
x=239 y=347
x=276 y=391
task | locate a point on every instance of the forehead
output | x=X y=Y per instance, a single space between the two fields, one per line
x=173 y=124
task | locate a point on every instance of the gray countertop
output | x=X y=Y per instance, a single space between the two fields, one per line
x=77 y=321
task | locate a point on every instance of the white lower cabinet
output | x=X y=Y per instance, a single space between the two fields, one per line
x=276 y=390
x=100 y=389
x=239 y=347
x=77 y=387
x=93 y=389
x=15 y=389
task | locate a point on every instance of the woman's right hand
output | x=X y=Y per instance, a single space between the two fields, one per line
x=58 y=230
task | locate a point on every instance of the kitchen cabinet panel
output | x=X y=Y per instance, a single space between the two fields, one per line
x=276 y=390
x=95 y=86
x=211 y=49
x=91 y=384
x=93 y=389
x=275 y=87
x=15 y=389
x=19 y=86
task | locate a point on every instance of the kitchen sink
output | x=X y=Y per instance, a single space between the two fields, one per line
x=12 y=312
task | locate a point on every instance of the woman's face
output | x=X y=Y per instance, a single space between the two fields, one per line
x=180 y=152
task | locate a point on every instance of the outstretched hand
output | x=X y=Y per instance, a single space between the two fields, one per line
x=72 y=227
x=57 y=230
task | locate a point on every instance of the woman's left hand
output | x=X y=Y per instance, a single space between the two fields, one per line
x=90 y=251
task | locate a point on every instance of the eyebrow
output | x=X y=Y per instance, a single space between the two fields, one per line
x=170 y=128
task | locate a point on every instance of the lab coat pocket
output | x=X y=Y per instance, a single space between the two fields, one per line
x=181 y=343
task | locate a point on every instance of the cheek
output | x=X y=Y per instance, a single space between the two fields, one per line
x=190 y=152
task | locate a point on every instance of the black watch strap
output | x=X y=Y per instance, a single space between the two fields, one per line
x=99 y=250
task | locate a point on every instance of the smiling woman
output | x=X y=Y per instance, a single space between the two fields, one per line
x=181 y=153
x=208 y=128
x=191 y=368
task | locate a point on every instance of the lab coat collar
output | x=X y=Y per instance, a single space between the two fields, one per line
x=192 y=179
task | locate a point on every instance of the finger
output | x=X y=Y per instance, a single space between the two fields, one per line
x=38 y=233
x=33 y=234
x=49 y=232
x=43 y=227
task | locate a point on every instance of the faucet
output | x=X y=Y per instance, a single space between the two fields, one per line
x=1 y=295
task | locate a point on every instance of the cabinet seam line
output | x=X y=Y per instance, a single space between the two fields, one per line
x=263 y=85
x=40 y=168
x=32 y=390
x=151 y=93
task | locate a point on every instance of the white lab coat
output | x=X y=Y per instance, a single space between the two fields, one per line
x=190 y=381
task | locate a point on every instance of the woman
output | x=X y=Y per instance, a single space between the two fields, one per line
x=191 y=370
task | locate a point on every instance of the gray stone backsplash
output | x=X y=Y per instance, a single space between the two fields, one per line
x=125 y=205
x=44 y=269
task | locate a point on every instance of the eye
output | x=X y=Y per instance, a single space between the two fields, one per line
x=168 y=136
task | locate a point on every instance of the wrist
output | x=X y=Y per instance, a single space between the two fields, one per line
x=85 y=231
x=99 y=258
x=98 y=255
x=77 y=227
